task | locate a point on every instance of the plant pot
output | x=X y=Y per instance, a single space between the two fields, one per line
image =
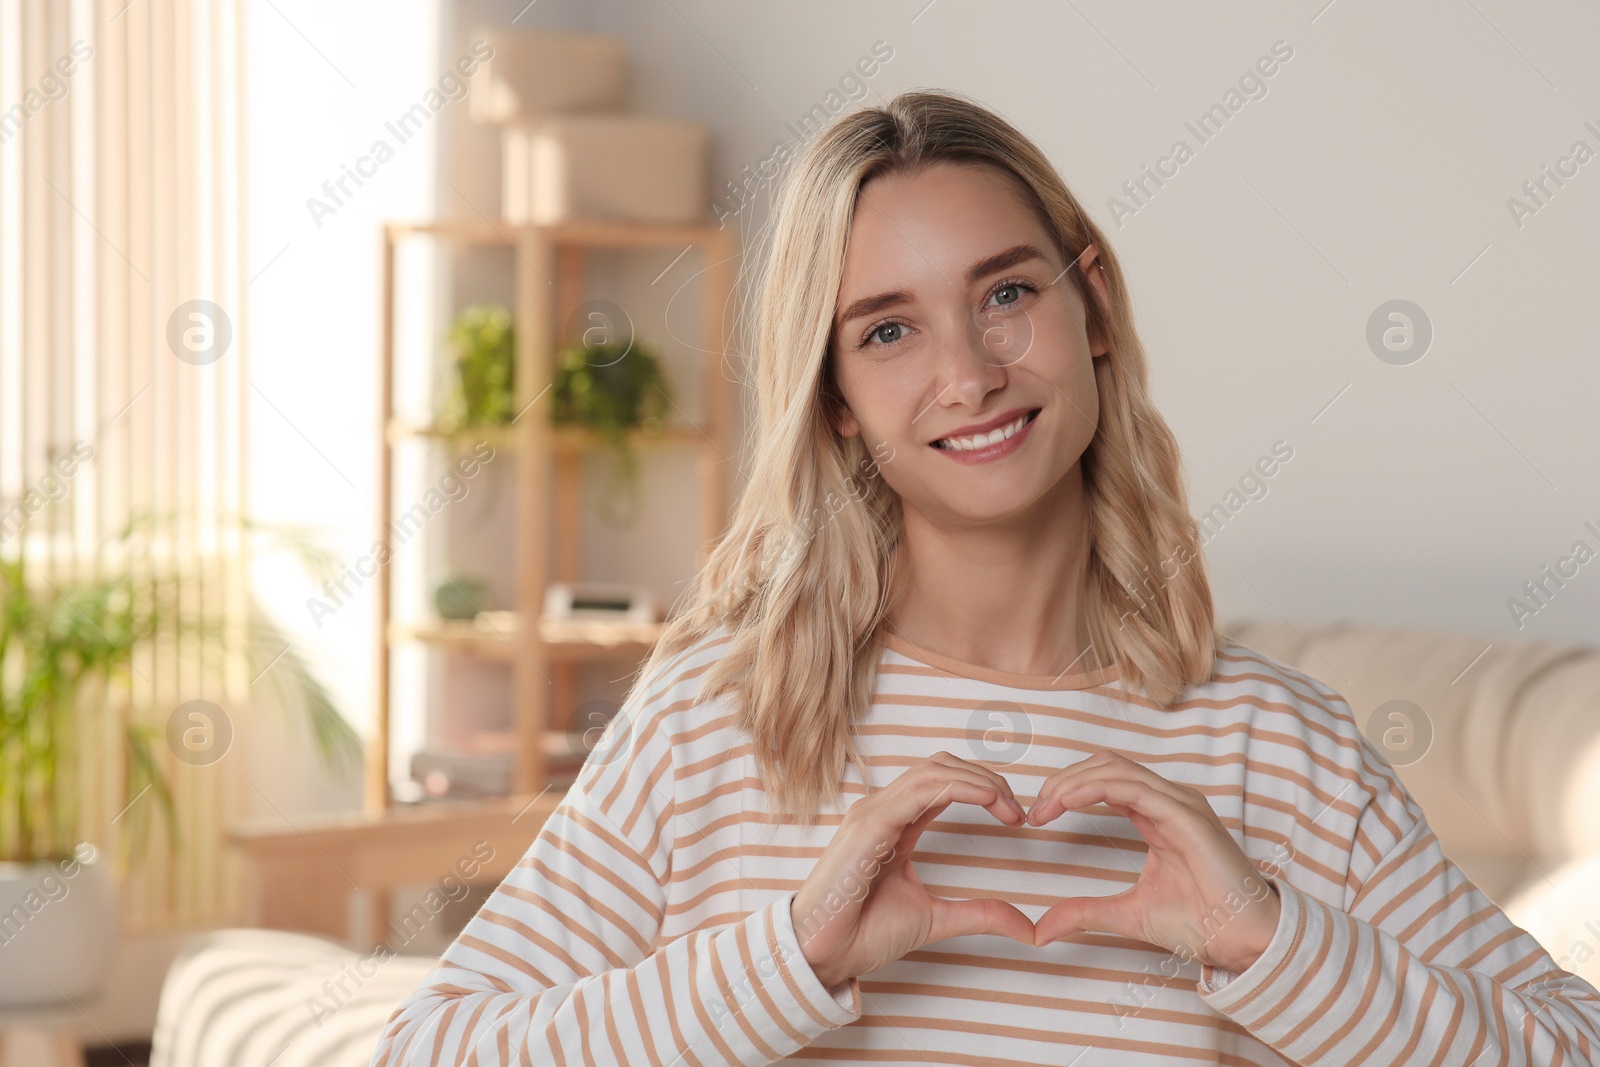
x=58 y=928
x=460 y=598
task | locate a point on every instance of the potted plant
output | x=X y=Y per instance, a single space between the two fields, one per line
x=612 y=389
x=483 y=358
x=66 y=651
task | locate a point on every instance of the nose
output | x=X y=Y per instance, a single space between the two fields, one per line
x=972 y=362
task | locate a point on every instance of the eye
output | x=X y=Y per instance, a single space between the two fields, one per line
x=877 y=330
x=1014 y=285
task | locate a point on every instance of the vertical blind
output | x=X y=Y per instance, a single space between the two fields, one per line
x=123 y=319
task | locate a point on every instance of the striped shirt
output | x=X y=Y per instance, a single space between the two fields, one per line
x=649 y=922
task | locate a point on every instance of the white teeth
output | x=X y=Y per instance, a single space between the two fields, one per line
x=984 y=440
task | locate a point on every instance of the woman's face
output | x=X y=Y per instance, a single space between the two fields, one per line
x=956 y=311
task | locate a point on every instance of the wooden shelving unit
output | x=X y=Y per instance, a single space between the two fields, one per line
x=545 y=657
x=300 y=877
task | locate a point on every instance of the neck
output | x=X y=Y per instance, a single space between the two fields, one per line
x=1009 y=596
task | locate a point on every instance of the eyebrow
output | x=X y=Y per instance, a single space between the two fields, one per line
x=867 y=305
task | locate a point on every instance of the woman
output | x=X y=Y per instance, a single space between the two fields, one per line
x=880 y=793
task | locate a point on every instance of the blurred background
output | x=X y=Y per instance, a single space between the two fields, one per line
x=371 y=383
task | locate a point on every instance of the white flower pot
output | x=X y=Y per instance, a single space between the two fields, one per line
x=58 y=928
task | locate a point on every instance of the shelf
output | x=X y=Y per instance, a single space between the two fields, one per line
x=498 y=436
x=483 y=763
x=571 y=642
x=562 y=744
x=566 y=439
x=550 y=277
x=456 y=636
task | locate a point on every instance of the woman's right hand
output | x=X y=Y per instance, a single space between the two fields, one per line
x=863 y=905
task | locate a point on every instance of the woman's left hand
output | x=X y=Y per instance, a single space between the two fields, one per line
x=1198 y=894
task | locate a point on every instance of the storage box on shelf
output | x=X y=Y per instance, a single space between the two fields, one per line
x=530 y=74
x=649 y=167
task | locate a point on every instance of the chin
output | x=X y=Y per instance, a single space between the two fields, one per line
x=996 y=505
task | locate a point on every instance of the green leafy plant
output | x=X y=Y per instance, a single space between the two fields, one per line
x=67 y=648
x=483 y=354
x=612 y=389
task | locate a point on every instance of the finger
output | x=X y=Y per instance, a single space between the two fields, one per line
x=1060 y=780
x=1097 y=758
x=999 y=780
x=904 y=813
x=1048 y=805
x=1002 y=806
x=1117 y=914
x=985 y=915
x=1137 y=796
x=1105 y=762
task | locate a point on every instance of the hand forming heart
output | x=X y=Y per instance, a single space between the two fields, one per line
x=1198 y=895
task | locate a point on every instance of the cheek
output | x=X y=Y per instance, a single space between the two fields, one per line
x=901 y=476
x=1081 y=417
x=883 y=400
x=1065 y=359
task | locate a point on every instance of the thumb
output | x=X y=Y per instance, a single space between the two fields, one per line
x=984 y=915
x=1083 y=913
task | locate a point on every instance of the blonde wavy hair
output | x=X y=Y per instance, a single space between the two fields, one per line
x=802 y=576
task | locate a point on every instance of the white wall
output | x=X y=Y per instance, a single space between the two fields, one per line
x=1377 y=166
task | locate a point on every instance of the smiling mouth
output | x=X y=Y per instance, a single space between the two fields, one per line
x=984 y=440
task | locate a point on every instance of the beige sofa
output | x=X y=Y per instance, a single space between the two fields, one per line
x=1510 y=781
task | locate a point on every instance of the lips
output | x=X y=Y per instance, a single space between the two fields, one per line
x=987 y=434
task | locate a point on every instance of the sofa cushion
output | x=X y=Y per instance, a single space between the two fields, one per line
x=1562 y=912
x=250 y=998
x=1511 y=778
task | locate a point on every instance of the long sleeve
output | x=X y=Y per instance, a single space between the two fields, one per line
x=562 y=964
x=1416 y=967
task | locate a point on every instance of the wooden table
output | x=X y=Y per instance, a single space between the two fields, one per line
x=301 y=876
x=31 y=1046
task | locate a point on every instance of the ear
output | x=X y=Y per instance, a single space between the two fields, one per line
x=843 y=419
x=845 y=422
x=1095 y=271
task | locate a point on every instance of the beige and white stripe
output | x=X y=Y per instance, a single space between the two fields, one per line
x=649 y=923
